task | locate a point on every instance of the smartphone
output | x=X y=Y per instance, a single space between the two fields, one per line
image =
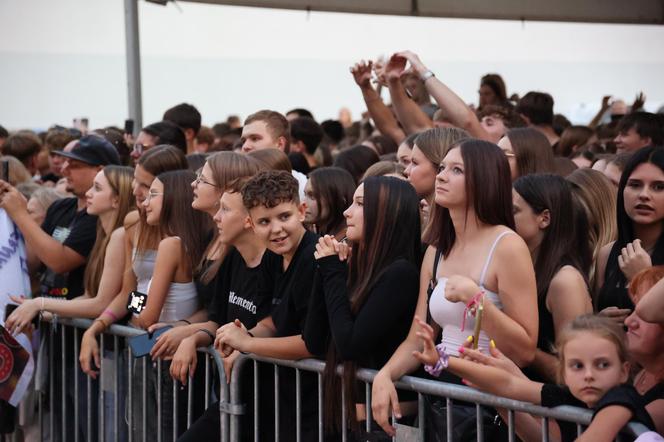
x=142 y=344
x=136 y=301
x=4 y=170
x=478 y=323
x=129 y=126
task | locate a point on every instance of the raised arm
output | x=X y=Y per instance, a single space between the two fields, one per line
x=452 y=106
x=380 y=113
x=412 y=118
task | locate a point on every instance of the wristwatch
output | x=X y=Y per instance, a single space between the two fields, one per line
x=425 y=76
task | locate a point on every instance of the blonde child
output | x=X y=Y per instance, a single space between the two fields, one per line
x=593 y=367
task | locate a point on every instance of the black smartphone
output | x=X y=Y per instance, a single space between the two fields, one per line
x=142 y=344
x=129 y=126
x=5 y=171
x=136 y=301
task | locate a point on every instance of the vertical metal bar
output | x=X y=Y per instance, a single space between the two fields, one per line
x=367 y=407
x=420 y=415
x=207 y=380
x=510 y=425
x=116 y=384
x=88 y=405
x=579 y=429
x=190 y=399
x=448 y=417
x=480 y=427
x=175 y=410
x=63 y=398
x=102 y=378
x=51 y=380
x=160 y=421
x=276 y=403
x=130 y=393
x=76 y=404
x=144 y=394
x=344 y=428
x=133 y=63
x=545 y=429
x=298 y=406
x=222 y=423
x=320 y=407
x=394 y=421
x=256 y=401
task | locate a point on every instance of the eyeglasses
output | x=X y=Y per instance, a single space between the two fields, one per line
x=152 y=195
x=200 y=179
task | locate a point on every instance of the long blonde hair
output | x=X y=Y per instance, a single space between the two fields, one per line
x=119 y=179
x=598 y=198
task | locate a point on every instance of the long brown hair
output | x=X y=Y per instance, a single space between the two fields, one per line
x=159 y=159
x=177 y=218
x=227 y=168
x=333 y=188
x=532 y=151
x=390 y=204
x=488 y=191
x=119 y=179
x=434 y=144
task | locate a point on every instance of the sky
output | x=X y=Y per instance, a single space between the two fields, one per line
x=66 y=59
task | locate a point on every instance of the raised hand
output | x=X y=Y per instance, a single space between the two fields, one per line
x=428 y=355
x=633 y=258
x=362 y=73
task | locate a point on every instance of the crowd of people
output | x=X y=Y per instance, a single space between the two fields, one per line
x=494 y=245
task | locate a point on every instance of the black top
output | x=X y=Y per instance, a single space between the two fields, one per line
x=241 y=292
x=292 y=288
x=624 y=395
x=206 y=291
x=614 y=288
x=77 y=230
x=371 y=336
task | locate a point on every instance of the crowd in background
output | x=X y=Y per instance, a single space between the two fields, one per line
x=373 y=243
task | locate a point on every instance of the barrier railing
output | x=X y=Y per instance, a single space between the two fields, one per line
x=232 y=400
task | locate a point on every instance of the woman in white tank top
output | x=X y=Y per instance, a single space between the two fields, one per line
x=479 y=252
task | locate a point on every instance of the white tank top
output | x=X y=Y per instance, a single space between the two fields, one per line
x=449 y=315
x=180 y=303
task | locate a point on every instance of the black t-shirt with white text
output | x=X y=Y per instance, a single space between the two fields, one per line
x=77 y=230
x=241 y=292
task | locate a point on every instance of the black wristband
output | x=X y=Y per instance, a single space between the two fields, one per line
x=184 y=320
x=207 y=332
x=250 y=334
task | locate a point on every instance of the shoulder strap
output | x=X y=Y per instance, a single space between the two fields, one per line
x=490 y=255
x=655 y=393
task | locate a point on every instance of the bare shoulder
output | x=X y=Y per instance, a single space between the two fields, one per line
x=118 y=235
x=131 y=219
x=510 y=245
x=169 y=244
x=427 y=261
x=568 y=277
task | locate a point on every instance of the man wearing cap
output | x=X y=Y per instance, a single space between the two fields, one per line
x=67 y=235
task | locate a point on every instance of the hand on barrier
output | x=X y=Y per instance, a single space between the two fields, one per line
x=384 y=400
x=167 y=343
x=633 y=258
x=231 y=336
x=89 y=353
x=184 y=360
x=228 y=362
x=23 y=315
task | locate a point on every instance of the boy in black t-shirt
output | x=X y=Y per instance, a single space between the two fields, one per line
x=277 y=216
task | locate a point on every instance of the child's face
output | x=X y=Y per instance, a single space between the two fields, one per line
x=592 y=367
x=153 y=202
x=232 y=218
x=280 y=226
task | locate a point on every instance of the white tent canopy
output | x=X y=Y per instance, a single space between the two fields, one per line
x=592 y=11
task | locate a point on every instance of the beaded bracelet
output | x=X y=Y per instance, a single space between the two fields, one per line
x=441 y=364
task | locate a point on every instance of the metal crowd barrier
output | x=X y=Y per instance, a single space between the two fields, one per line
x=231 y=402
x=116 y=333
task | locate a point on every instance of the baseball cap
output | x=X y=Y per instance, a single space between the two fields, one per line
x=93 y=150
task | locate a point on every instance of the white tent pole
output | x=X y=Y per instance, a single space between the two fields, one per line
x=133 y=55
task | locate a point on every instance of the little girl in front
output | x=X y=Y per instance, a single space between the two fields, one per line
x=593 y=367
